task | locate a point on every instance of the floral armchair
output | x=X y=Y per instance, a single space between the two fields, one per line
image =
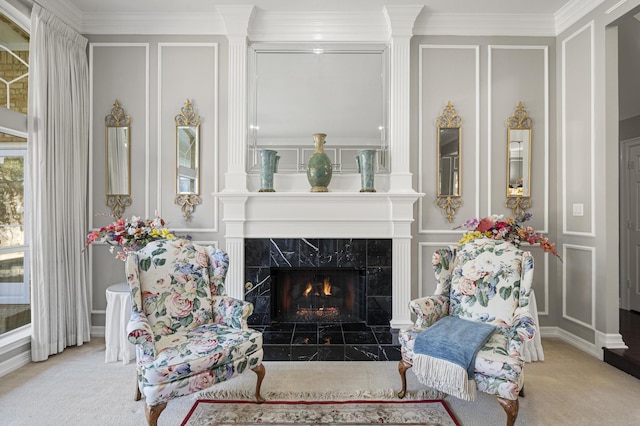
x=188 y=334
x=489 y=281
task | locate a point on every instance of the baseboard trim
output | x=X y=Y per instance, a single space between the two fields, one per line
x=97 y=331
x=14 y=363
x=573 y=340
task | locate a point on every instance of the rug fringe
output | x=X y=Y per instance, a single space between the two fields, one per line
x=242 y=394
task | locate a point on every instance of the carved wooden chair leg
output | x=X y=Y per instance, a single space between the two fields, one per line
x=511 y=407
x=260 y=371
x=138 y=395
x=152 y=413
x=403 y=366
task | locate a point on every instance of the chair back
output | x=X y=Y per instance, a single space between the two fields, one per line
x=173 y=283
x=489 y=280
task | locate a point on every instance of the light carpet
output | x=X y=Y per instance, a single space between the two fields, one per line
x=207 y=412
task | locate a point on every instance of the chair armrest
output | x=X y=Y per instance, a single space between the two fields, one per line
x=522 y=330
x=231 y=312
x=140 y=333
x=429 y=309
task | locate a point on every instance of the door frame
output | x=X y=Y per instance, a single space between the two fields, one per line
x=624 y=286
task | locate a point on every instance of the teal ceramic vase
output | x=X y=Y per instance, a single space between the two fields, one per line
x=366 y=168
x=268 y=166
x=319 y=169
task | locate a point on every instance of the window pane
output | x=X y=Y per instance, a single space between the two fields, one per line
x=14 y=66
x=11 y=201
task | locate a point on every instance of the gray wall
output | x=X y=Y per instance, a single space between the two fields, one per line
x=485 y=78
x=564 y=82
x=152 y=77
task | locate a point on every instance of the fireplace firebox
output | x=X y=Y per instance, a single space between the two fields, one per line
x=318 y=295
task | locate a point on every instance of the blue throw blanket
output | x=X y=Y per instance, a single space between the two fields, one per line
x=445 y=355
x=455 y=340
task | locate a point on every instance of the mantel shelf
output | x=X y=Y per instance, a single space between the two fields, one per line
x=324 y=195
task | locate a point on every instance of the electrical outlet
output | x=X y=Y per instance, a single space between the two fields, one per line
x=578 y=209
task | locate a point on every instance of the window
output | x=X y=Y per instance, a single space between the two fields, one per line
x=15 y=297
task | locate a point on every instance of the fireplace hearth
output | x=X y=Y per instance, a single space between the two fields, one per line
x=321 y=299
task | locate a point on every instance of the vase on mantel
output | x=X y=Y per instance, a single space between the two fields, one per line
x=319 y=169
x=268 y=166
x=366 y=167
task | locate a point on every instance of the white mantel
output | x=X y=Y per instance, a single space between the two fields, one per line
x=344 y=212
x=323 y=215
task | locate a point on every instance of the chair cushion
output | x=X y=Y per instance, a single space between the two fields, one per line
x=485 y=283
x=492 y=360
x=176 y=294
x=190 y=352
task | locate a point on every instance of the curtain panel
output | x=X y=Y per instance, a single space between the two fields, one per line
x=58 y=166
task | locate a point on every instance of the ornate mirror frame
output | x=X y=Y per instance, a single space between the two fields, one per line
x=449 y=170
x=118 y=160
x=519 y=132
x=187 y=160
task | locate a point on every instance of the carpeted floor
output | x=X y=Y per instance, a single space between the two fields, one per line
x=78 y=388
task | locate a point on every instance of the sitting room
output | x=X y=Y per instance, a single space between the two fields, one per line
x=214 y=208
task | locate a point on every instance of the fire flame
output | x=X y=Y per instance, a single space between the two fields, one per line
x=307 y=290
x=326 y=287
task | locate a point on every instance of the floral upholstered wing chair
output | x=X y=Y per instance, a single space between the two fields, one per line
x=188 y=334
x=489 y=281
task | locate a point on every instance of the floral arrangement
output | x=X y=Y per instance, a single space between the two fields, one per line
x=509 y=229
x=126 y=235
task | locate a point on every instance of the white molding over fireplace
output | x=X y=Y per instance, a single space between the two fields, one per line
x=293 y=212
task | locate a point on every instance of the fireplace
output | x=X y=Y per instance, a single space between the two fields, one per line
x=321 y=298
x=318 y=295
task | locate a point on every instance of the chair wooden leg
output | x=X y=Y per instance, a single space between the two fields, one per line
x=152 y=413
x=138 y=395
x=403 y=366
x=260 y=371
x=511 y=407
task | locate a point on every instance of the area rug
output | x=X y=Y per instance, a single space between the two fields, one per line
x=318 y=410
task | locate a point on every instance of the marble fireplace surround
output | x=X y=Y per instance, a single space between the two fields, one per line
x=331 y=215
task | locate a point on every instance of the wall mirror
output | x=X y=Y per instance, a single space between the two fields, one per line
x=296 y=90
x=519 y=129
x=187 y=159
x=449 y=147
x=118 y=159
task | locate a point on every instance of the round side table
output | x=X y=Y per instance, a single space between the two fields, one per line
x=118 y=346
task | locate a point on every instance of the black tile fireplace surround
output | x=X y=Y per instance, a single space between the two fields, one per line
x=365 y=337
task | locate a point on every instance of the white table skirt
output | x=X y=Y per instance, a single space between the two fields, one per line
x=533 y=348
x=118 y=346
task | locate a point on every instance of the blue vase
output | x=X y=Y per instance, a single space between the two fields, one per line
x=319 y=169
x=366 y=167
x=268 y=166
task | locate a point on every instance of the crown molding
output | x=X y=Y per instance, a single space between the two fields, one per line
x=153 y=23
x=473 y=24
x=401 y=19
x=572 y=12
x=319 y=26
x=347 y=26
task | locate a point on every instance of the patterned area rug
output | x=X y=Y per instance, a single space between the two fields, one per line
x=206 y=412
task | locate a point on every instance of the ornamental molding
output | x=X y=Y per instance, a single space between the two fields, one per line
x=373 y=26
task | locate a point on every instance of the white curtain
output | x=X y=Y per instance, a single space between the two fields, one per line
x=57 y=156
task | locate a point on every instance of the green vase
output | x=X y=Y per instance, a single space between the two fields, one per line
x=319 y=169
